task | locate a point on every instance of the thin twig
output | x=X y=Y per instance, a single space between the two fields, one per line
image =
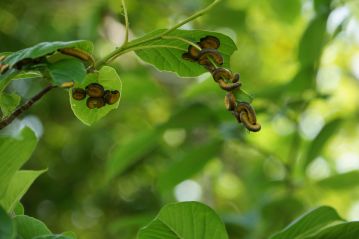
x=183 y=40
x=126 y=21
x=5 y=122
x=132 y=44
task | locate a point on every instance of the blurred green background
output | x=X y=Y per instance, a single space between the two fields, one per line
x=171 y=138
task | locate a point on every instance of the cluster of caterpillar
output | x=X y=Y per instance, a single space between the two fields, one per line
x=211 y=58
x=97 y=95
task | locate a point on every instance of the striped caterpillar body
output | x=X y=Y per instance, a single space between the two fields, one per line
x=82 y=55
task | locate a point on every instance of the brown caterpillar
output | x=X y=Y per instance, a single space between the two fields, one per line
x=206 y=53
x=228 y=86
x=95 y=90
x=80 y=54
x=245 y=114
x=111 y=97
x=93 y=102
x=209 y=42
x=78 y=94
x=230 y=101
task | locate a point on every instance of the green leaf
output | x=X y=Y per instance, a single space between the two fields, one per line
x=12 y=158
x=6 y=78
x=349 y=230
x=8 y=103
x=19 y=184
x=286 y=10
x=322 y=6
x=320 y=141
x=128 y=153
x=45 y=48
x=29 y=227
x=19 y=209
x=7 y=227
x=67 y=70
x=70 y=234
x=192 y=220
x=341 y=181
x=60 y=236
x=27 y=75
x=313 y=40
x=110 y=80
x=188 y=164
x=201 y=115
x=309 y=223
x=170 y=59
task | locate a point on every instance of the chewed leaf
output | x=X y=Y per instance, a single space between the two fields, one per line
x=166 y=54
x=110 y=80
x=45 y=48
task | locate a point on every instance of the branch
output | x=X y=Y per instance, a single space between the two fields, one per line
x=131 y=45
x=5 y=122
x=126 y=21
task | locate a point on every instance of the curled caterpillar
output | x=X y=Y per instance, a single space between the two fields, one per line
x=205 y=54
x=78 y=94
x=230 y=101
x=111 y=97
x=245 y=114
x=93 y=103
x=82 y=55
x=95 y=90
x=228 y=86
x=209 y=42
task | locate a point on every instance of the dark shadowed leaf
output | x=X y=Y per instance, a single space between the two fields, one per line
x=188 y=164
x=7 y=227
x=313 y=40
x=190 y=220
x=343 y=181
x=67 y=70
x=128 y=153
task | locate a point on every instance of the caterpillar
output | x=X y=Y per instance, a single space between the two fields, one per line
x=82 y=55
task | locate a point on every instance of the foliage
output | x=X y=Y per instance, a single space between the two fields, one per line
x=170 y=138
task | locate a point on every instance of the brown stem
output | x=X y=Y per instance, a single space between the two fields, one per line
x=5 y=122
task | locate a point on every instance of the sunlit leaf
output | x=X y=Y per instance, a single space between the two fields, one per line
x=309 y=223
x=44 y=48
x=11 y=158
x=190 y=220
x=29 y=227
x=19 y=184
x=349 y=230
x=110 y=80
x=286 y=10
x=169 y=59
x=8 y=103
